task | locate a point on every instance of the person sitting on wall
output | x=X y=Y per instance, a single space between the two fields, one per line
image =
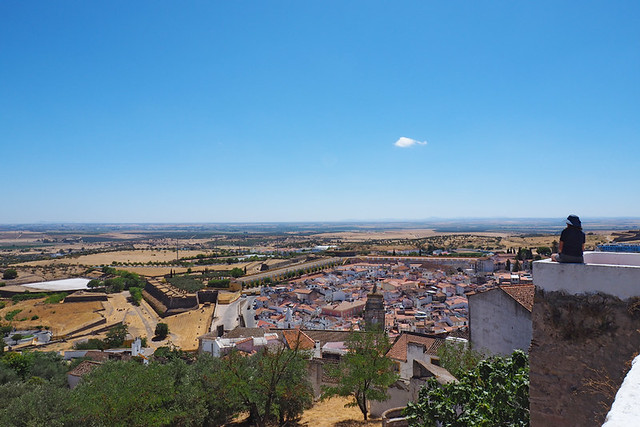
x=572 y=241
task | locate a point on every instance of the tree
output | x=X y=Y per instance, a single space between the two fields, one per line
x=136 y=295
x=271 y=385
x=10 y=274
x=130 y=393
x=544 y=251
x=33 y=403
x=508 y=267
x=94 y=283
x=218 y=283
x=457 y=358
x=516 y=266
x=162 y=330
x=495 y=393
x=221 y=405
x=365 y=372
x=116 y=336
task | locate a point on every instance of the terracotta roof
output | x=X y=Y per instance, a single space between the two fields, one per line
x=97 y=355
x=398 y=350
x=522 y=294
x=294 y=336
x=84 y=368
x=322 y=335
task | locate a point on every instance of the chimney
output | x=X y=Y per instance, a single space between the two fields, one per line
x=317 y=351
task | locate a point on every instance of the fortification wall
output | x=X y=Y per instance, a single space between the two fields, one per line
x=174 y=300
x=207 y=295
x=85 y=297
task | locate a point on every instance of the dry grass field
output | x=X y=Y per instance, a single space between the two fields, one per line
x=61 y=318
x=332 y=413
x=107 y=258
x=366 y=235
x=161 y=271
x=325 y=413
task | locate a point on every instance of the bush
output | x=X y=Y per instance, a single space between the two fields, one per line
x=236 y=272
x=55 y=298
x=218 y=283
x=9 y=274
x=162 y=330
x=494 y=393
x=136 y=295
x=90 y=344
x=10 y=315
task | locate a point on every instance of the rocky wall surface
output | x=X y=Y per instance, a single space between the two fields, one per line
x=581 y=350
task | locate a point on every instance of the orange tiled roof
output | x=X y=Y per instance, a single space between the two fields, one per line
x=522 y=294
x=84 y=368
x=398 y=350
x=298 y=337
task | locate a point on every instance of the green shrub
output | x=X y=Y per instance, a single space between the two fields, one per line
x=90 y=344
x=162 y=330
x=55 y=298
x=218 y=283
x=10 y=315
x=136 y=295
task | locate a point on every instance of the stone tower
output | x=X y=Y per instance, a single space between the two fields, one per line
x=374 y=310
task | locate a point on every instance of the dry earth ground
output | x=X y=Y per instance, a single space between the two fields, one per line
x=326 y=413
x=332 y=413
x=185 y=328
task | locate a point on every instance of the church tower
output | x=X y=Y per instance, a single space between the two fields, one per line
x=374 y=310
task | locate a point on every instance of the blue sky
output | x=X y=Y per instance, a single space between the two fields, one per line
x=201 y=111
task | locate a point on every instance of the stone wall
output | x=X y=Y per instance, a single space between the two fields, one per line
x=171 y=300
x=582 y=348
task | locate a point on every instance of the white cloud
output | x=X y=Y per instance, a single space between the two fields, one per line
x=404 y=142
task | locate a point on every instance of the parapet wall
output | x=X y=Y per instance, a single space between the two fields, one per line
x=616 y=274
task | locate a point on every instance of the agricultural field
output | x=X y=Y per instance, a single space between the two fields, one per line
x=123 y=257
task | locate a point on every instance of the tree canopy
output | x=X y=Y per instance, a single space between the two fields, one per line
x=9 y=274
x=495 y=392
x=365 y=372
x=271 y=385
x=457 y=358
